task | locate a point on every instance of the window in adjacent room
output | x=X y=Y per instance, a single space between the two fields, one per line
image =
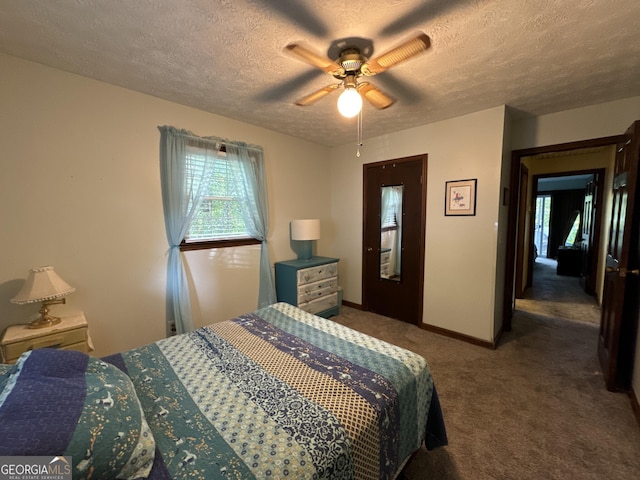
x=541 y=227
x=573 y=237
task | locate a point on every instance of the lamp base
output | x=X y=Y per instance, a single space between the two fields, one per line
x=305 y=249
x=46 y=320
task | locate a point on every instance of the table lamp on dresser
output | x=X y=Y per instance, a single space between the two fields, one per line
x=43 y=285
x=303 y=233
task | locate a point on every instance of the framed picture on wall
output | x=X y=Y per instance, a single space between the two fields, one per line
x=460 y=197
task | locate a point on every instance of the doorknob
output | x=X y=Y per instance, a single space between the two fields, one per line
x=623 y=272
x=370 y=249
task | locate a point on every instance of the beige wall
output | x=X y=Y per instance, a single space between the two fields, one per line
x=80 y=190
x=461 y=252
x=595 y=121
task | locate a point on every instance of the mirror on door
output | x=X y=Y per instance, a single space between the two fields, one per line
x=391 y=232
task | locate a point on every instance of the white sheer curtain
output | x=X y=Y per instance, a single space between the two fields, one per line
x=391 y=208
x=251 y=185
x=183 y=179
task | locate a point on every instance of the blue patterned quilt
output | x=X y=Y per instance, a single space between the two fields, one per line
x=67 y=405
x=277 y=393
x=280 y=393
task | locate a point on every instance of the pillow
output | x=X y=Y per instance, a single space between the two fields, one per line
x=63 y=402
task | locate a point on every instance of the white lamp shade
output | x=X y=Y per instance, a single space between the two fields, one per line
x=42 y=284
x=305 y=229
x=349 y=102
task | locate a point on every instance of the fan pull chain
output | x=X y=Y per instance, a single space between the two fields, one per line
x=359 y=133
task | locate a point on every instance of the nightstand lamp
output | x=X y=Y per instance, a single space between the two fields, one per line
x=43 y=285
x=304 y=232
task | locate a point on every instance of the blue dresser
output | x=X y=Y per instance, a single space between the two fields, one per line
x=311 y=285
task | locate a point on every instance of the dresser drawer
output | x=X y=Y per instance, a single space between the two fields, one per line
x=61 y=339
x=312 y=291
x=314 y=274
x=321 y=304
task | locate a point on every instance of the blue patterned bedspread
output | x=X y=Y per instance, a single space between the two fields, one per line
x=280 y=393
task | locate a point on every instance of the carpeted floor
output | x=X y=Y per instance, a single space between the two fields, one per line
x=534 y=408
x=558 y=296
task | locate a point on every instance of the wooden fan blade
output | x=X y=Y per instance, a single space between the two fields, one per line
x=375 y=96
x=313 y=59
x=399 y=54
x=317 y=95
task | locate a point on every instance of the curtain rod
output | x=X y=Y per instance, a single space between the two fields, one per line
x=223 y=141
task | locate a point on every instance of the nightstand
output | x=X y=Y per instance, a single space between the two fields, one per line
x=311 y=285
x=72 y=333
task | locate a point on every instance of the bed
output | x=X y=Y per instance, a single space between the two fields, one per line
x=276 y=393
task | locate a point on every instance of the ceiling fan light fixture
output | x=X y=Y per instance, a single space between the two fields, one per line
x=349 y=102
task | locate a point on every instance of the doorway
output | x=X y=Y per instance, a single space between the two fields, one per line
x=518 y=264
x=566 y=221
x=394 y=222
x=561 y=243
x=620 y=306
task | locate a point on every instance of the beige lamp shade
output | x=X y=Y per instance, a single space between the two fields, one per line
x=305 y=229
x=42 y=284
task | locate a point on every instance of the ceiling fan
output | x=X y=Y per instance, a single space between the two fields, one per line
x=352 y=63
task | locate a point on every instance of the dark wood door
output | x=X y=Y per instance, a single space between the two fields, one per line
x=393 y=270
x=591 y=228
x=619 y=321
x=588 y=215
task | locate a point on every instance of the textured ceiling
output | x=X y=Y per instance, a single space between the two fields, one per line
x=226 y=56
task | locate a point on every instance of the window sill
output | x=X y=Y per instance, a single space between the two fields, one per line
x=236 y=242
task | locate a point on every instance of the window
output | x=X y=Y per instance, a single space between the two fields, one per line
x=541 y=226
x=219 y=220
x=390 y=206
x=187 y=175
x=573 y=237
x=389 y=217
